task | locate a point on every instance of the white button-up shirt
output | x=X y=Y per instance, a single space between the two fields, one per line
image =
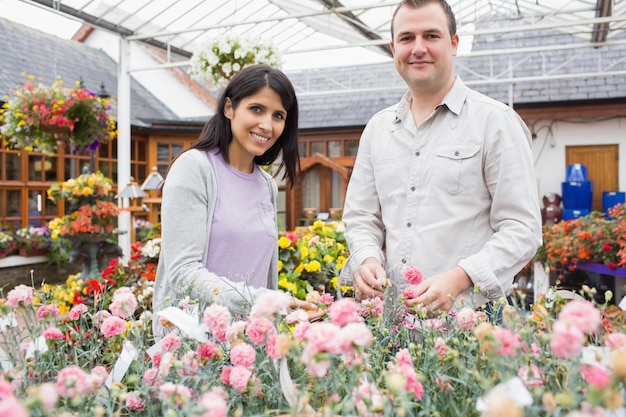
x=460 y=189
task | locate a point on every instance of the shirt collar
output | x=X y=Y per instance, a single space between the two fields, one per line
x=453 y=100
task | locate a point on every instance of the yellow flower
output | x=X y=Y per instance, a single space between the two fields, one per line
x=299 y=268
x=327 y=259
x=304 y=252
x=341 y=261
x=284 y=242
x=313 y=266
x=280 y=265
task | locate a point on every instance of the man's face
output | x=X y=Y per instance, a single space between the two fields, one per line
x=422 y=47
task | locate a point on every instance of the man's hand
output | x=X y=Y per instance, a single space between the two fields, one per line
x=369 y=279
x=437 y=293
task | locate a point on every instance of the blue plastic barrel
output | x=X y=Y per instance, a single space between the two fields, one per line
x=576 y=172
x=577 y=194
x=612 y=198
x=571 y=214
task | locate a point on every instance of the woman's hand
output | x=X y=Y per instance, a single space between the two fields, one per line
x=314 y=312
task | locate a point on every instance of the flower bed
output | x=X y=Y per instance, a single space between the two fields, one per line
x=96 y=357
x=311 y=259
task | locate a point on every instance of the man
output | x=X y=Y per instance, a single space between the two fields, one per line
x=443 y=180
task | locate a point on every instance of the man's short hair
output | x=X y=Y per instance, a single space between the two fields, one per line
x=416 y=4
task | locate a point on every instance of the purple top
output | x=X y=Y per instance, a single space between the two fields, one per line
x=243 y=233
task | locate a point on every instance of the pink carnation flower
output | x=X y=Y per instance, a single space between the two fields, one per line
x=98 y=377
x=124 y=303
x=217 y=319
x=583 y=314
x=243 y=354
x=239 y=377
x=615 y=341
x=269 y=303
x=171 y=342
x=53 y=333
x=345 y=311
x=176 y=394
x=466 y=318
x=596 y=376
x=259 y=328
x=72 y=381
x=207 y=350
x=20 y=294
x=441 y=347
x=531 y=376
x=236 y=329
x=11 y=406
x=413 y=275
x=358 y=334
x=326 y=299
x=508 y=342
x=567 y=339
x=409 y=293
x=152 y=378
x=134 y=401
x=77 y=311
x=214 y=403
x=112 y=326
x=47 y=311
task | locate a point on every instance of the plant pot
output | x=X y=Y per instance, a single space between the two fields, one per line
x=335 y=213
x=109 y=228
x=25 y=252
x=310 y=212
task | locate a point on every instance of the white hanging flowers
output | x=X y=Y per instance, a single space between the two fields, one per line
x=216 y=61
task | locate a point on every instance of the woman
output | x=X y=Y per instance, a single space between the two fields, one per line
x=218 y=215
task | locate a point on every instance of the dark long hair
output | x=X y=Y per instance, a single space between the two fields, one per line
x=247 y=82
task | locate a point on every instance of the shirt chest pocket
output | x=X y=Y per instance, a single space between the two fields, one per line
x=457 y=168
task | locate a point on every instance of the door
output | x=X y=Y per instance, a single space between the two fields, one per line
x=602 y=167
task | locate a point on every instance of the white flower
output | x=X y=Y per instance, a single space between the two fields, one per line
x=215 y=62
x=152 y=248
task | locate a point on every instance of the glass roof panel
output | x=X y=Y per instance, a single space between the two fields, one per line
x=309 y=32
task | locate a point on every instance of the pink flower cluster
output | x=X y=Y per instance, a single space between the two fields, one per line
x=413 y=275
x=404 y=365
x=346 y=334
x=20 y=294
x=577 y=319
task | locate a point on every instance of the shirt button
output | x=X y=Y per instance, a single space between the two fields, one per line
x=408 y=224
x=412 y=188
x=403 y=261
x=457 y=153
x=417 y=153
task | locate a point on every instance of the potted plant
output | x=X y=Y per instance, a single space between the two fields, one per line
x=32 y=241
x=84 y=189
x=594 y=238
x=6 y=243
x=39 y=117
x=215 y=62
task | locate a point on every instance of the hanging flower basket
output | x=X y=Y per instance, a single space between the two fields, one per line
x=215 y=62
x=39 y=118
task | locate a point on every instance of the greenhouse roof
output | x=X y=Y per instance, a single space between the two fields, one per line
x=312 y=31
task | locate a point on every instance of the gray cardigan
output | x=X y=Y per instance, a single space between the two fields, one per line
x=189 y=197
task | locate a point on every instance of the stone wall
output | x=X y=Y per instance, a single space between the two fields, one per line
x=15 y=270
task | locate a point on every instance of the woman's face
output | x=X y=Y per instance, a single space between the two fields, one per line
x=256 y=124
